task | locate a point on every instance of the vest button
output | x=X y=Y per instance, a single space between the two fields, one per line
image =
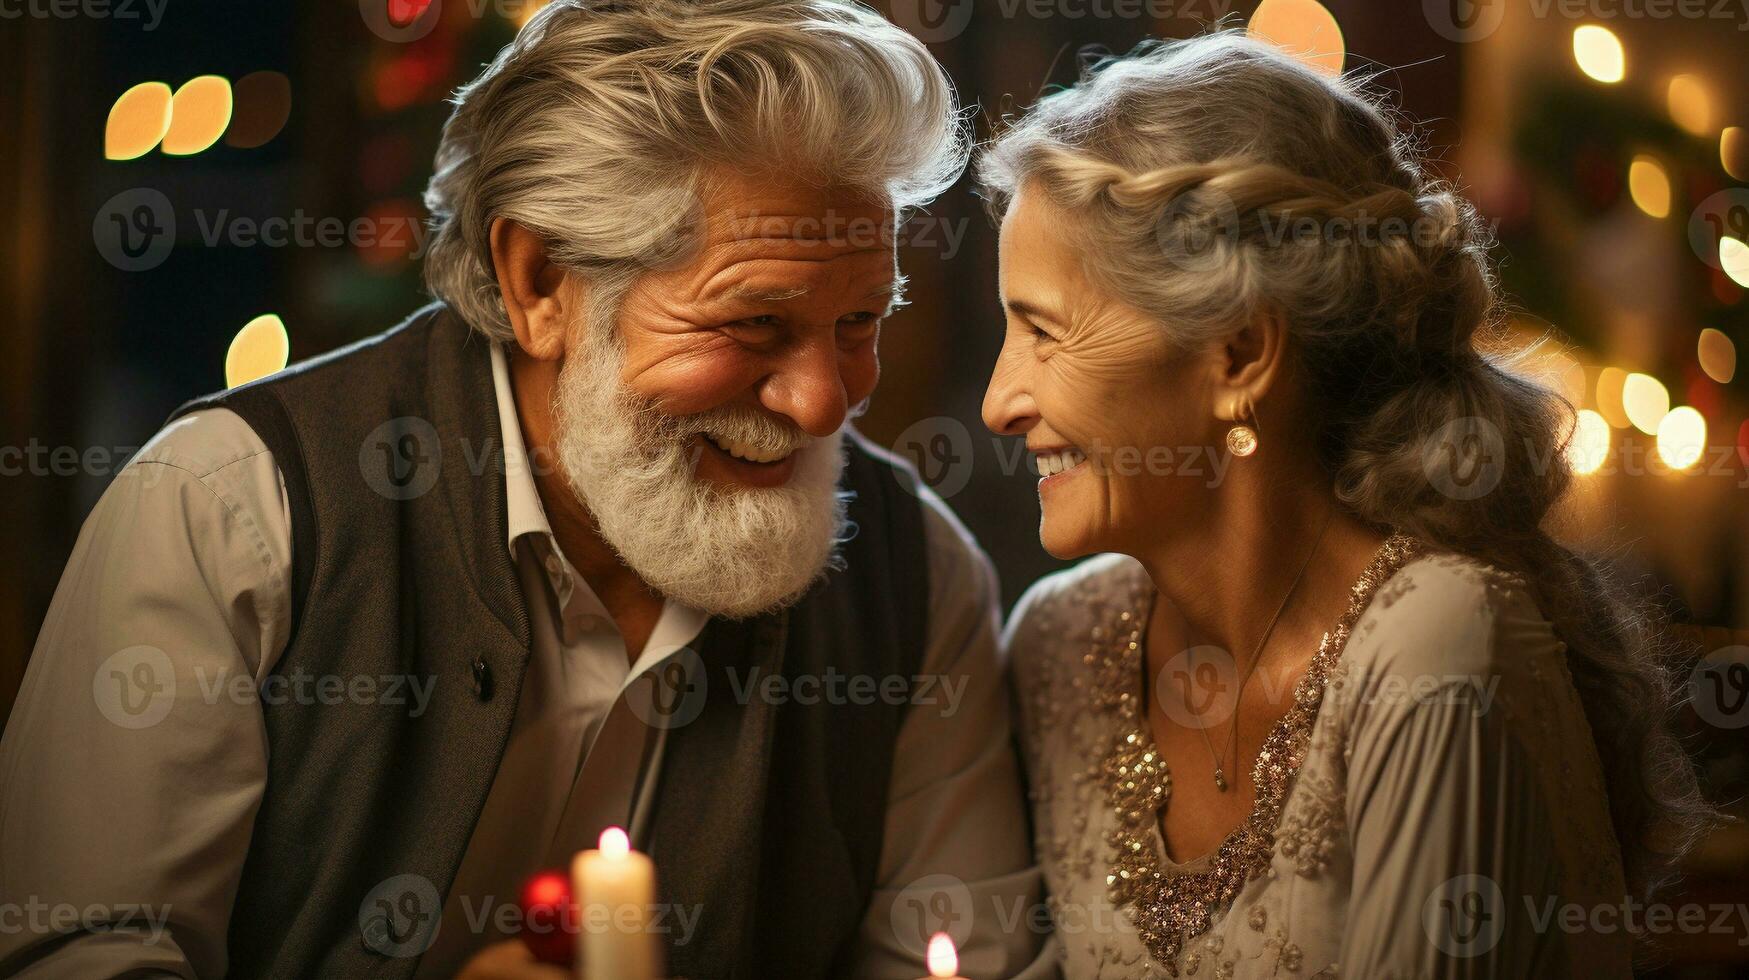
x=482 y=679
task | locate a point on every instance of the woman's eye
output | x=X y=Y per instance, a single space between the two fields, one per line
x=856 y=318
x=763 y=320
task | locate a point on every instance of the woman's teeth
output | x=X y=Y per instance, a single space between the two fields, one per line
x=746 y=450
x=1050 y=464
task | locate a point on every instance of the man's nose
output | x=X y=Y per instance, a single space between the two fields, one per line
x=808 y=388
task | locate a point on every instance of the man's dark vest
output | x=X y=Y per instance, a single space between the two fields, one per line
x=769 y=813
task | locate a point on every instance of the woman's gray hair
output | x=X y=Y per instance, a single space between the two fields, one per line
x=1190 y=168
x=597 y=127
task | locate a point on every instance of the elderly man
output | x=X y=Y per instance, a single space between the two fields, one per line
x=349 y=653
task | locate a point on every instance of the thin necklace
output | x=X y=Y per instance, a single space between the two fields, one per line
x=1220 y=759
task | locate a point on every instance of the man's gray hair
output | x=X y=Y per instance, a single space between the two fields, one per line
x=597 y=126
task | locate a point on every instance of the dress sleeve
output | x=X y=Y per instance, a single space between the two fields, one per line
x=1456 y=839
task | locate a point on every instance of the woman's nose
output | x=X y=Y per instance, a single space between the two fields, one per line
x=1008 y=405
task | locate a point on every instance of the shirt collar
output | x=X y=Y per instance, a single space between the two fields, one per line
x=678 y=625
x=524 y=512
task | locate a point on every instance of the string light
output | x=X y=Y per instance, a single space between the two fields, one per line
x=1734 y=151
x=1599 y=53
x=199 y=113
x=137 y=122
x=1717 y=355
x=1610 y=382
x=1589 y=447
x=261 y=348
x=1734 y=259
x=1303 y=28
x=1649 y=186
x=1691 y=106
x=1681 y=438
x=1646 y=401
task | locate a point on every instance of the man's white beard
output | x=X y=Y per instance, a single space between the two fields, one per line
x=729 y=551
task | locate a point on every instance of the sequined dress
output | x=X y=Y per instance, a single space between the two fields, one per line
x=1431 y=804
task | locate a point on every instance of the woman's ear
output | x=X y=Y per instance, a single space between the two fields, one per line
x=540 y=304
x=1250 y=364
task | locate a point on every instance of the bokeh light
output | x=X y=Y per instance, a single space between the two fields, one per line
x=1646 y=401
x=1650 y=186
x=1734 y=259
x=1303 y=28
x=137 y=121
x=1599 y=53
x=1718 y=356
x=1734 y=151
x=525 y=11
x=1589 y=447
x=1691 y=105
x=1681 y=438
x=199 y=113
x=262 y=101
x=261 y=348
x=1609 y=387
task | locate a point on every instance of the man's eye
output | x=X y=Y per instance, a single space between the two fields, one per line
x=763 y=320
x=855 y=319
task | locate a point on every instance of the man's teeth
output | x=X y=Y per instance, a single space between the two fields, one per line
x=1050 y=464
x=746 y=450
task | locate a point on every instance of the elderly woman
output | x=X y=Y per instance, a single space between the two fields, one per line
x=1348 y=710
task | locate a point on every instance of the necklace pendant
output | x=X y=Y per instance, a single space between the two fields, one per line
x=1220 y=779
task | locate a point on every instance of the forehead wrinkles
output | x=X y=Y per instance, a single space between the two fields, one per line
x=772 y=276
x=830 y=230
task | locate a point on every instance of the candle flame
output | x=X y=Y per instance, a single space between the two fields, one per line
x=942 y=959
x=615 y=843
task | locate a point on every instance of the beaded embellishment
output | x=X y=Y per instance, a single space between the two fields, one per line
x=1170 y=910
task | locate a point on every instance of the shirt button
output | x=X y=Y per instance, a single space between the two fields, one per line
x=482 y=679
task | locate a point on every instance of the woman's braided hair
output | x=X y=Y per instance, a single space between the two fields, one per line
x=1215 y=180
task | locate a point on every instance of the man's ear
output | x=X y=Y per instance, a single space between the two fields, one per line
x=539 y=301
x=1250 y=363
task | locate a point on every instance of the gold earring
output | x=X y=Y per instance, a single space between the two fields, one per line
x=1242 y=438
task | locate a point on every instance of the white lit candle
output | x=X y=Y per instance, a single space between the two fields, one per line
x=943 y=960
x=615 y=889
